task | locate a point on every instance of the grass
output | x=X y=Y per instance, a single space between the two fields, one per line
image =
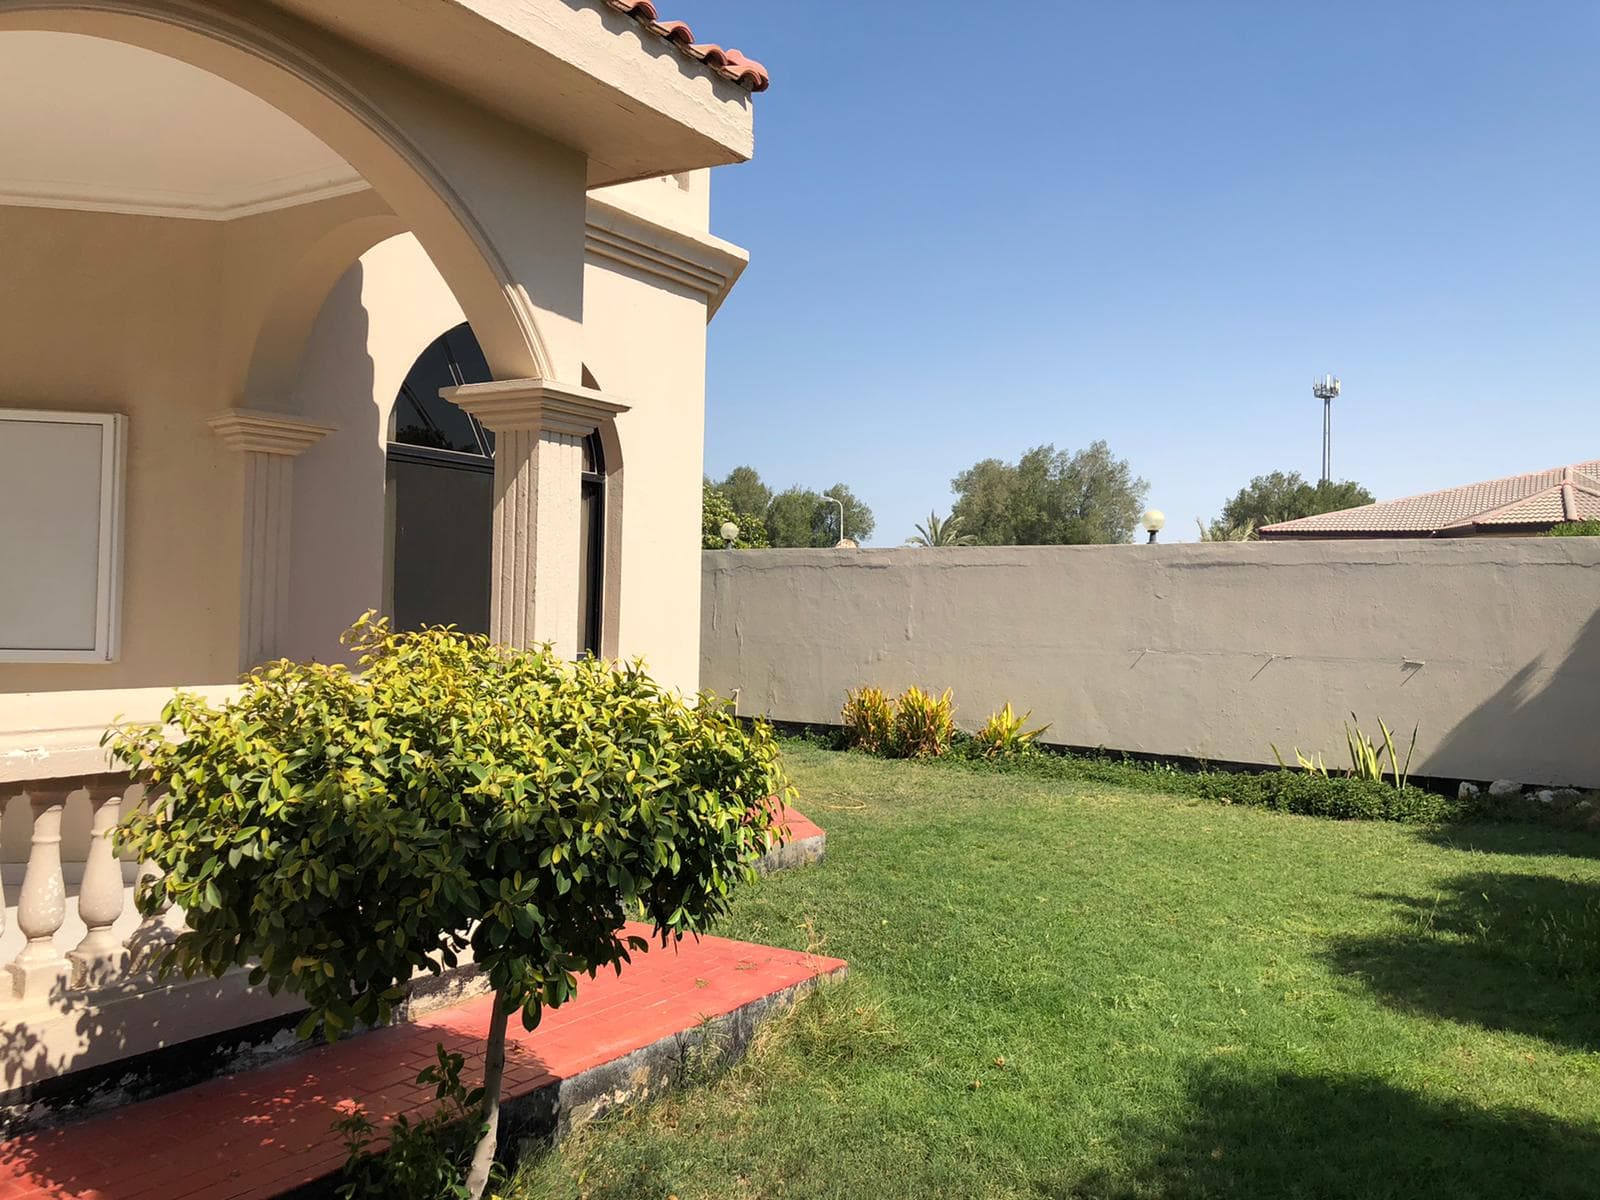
x=1069 y=989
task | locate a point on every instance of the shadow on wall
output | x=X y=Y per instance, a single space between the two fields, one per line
x=337 y=547
x=1261 y=1134
x=1512 y=952
x=1541 y=706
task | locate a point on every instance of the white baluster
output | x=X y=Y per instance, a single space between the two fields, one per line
x=41 y=968
x=155 y=932
x=101 y=956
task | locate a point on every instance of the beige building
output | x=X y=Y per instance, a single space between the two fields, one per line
x=245 y=247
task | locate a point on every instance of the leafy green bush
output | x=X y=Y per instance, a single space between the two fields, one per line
x=1574 y=529
x=337 y=831
x=868 y=717
x=924 y=724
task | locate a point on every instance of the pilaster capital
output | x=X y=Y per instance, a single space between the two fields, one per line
x=535 y=404
x=251 y=429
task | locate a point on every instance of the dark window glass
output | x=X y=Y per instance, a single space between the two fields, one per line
x=422 y=417
x=443 y=517
x=592 y=547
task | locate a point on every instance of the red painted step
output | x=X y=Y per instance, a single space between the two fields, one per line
x=260 y=1133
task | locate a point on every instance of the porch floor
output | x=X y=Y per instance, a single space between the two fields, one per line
x=262 y=1133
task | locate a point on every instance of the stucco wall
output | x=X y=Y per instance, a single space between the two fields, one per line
x=1211 y=651
x=109 y=313
x=645 y=343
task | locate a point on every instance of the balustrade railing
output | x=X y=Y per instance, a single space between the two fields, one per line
x=50 y=966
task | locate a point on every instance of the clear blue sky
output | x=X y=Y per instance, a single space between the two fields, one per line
x=976 y=228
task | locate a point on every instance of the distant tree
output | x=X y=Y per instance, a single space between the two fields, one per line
x=858 y=519
x=1050 y=498
x=715 y=511
x=1284 y=496
x=792 y=517
x=802 y=517
x=744 y=489
x=940 y=533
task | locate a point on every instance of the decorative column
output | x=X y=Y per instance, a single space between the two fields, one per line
x=100 y=957
x=539 y=427
x=41 y=969
x=270 y=442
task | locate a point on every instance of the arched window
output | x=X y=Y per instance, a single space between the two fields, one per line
x=422 y=419
x=441 y=502
x=440 y=493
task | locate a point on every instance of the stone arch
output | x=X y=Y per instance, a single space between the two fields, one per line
x=341 y=97
x=280 y=343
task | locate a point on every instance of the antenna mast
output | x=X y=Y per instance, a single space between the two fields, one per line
x=1326 y=389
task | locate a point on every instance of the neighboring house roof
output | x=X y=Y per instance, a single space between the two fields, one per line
x=730 y=64
x=1536 y=500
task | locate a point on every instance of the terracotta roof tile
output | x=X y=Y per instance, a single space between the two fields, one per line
x=730 y=64
x=1549 y=497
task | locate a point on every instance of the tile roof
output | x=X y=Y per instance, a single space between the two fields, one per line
x=730 y=64
x=1540 y=498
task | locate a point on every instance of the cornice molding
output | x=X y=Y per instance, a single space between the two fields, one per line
x=135 y=202
x=542 y=404
x=691 y=259
x=253 y=430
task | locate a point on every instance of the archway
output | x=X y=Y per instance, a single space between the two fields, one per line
x=346 y=102
x=440 y=507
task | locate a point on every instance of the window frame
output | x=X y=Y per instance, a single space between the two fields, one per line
x=108 y=562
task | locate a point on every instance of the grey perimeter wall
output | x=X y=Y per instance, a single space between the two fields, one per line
x=1492 y=646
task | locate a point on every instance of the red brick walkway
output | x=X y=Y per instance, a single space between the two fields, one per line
x=259 y=1133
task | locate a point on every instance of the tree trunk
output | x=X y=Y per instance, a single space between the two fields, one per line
x=494 y=1069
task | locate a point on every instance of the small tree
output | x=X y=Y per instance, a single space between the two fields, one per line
x=339 y=831
x=716 y=511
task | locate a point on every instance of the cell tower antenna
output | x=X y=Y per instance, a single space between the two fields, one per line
x=1326 y=389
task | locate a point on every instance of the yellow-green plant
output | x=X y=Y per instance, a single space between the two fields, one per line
x=337 y=831
x=1311 y=766
x=868 y=717
x=1006 y=733
x=924 y=724
x=1366 y=756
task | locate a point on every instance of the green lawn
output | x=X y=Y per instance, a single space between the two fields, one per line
x=1068 y=990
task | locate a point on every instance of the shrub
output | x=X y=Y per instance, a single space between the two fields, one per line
x=868 y=717
x=1574 y=529
x=924 y=724
x=1005 y=733
x=337 y=831
x=426 y=1159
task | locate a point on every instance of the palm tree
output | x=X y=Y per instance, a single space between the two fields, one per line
x=1223 y=531
x=941 y=533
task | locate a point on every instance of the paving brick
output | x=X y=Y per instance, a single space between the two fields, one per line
x=256 y=1134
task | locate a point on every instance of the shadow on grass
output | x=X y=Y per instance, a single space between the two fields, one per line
x=1512 y=952
x=1532 y=840
x=1299 y=1137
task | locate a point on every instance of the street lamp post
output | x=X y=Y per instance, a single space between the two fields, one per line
x=1154 y=521
x=840 y=503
